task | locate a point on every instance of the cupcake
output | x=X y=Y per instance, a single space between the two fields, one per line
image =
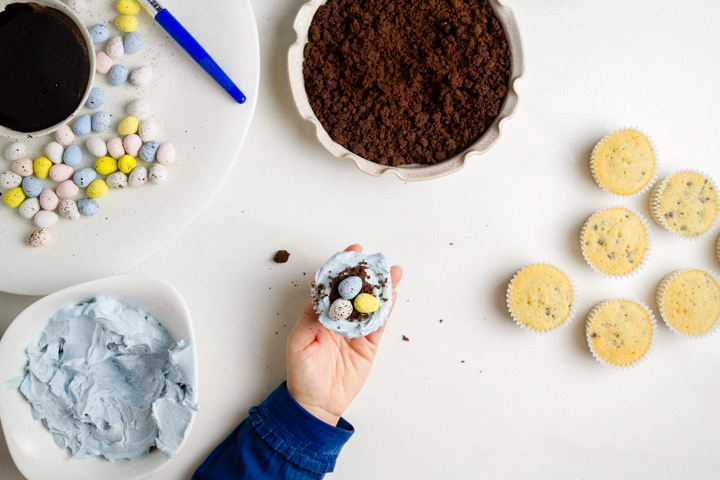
x=352 y=293
x=689 y=301
x=619 y=332
x=615 y=241
x=624 y=162
x=540 y=297
x=685 y=203
x=717 y=249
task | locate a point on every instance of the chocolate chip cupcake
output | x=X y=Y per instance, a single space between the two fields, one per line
x=624 y=162
x=540 y=297
x=685 y=203
x=689 y=302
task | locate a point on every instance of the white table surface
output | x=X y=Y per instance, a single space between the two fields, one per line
x=521 y=405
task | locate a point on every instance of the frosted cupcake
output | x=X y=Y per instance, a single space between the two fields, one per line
x=689 y=301
x=685 y=203
x=540 y=297
x=619 y=332
x=615 y=241
x=352 y=293
x=624 y=162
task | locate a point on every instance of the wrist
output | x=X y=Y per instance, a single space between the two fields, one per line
x=314 y=410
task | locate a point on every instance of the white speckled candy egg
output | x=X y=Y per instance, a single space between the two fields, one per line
x=69 y=209
x=96 y=146
x=15 y=151
x=45 y=219
x=103 y=63
x=61 y=172
x=29 y=208
x=166 y=154
x=147 y=130
x=114 y=48
x=40 y=238
x=158 y=174
x=340 y=309
x=117 y=180
x=54 y=151
x=141 y=76
x=49 y=199
x=138 y=176
x=115 y=148
x=132 y=144
x=23 y=167
x=64 y=135
x=10 y=180
x=138 y=108
x=67 y=189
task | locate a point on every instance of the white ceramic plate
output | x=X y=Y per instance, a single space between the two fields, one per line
x=30 y=443
x=206 y=126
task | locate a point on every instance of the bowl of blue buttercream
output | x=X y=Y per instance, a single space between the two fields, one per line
x=99 y=381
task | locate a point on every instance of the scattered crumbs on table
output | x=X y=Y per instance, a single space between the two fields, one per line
x=441 y=320
x=406 y=339
x=281 y=256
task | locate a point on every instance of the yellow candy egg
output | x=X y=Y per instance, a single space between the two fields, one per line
x=14 y=197
x=126 y=23
x=127 y=7
x=98 y=188
x=366 y=303
x=41 y=166
x=128 y=125
x=127 y=164
x=106 y=165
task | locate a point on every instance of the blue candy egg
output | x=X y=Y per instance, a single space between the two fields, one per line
x=134 y=41
x=72 y=156
x=82 y=125
x=350 y=287
x=99 y=33
x=84 y=177
x=32 y=187
x=149 y=151
x=88 y=207
x=96 y=98
x=100 y=122
x=118 y=75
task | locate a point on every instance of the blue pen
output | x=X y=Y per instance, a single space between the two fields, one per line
x=192 y=47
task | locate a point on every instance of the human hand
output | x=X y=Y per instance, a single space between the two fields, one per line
x=325 y=371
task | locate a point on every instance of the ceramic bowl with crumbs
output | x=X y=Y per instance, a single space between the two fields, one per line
x=685 y=204
x=540 y=297
x=624 y=162
x=620 y=332
x=689 y=302
x=615 y=242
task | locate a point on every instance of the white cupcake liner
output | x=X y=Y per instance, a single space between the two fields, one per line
x=648 y=250
x=655 y=203
x=652 y=180
x=717 y=249
x=660 y=293
x=571 y=315
x=646 y=355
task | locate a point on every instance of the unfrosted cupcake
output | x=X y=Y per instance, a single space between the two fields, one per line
x=717 y=249
x=624 y=162
x=619 y=332
x=689 y=301
x=615 y=241
x=685 y=203
x=540 y=297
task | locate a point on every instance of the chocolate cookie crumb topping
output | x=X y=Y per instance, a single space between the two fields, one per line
x=281 y=256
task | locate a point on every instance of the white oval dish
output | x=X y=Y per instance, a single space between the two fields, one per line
x=505 y=16
x=30 y=443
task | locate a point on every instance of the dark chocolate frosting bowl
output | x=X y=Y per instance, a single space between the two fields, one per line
x=411 y=88
x=47 y=62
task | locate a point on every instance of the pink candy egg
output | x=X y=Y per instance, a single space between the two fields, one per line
x=64 y=135
x=67 y=189
x=48 y=200
x=166 y=154
x=23 y=167
x=132 y=144
x=103 y=62
x=60 y=172
x=115 y=148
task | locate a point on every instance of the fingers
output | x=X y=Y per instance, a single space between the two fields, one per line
x=396 y=274
x=354 y=248
x=305 y=330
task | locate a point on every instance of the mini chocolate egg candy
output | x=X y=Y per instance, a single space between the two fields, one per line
x=103 y=63
x=83 y=125
x=97 y=189
x=115 y=148
x=14 y=197
x=88 y=207
x=118 y=75
x=15 y=151
x=60 y=173
x=147 y=130
x=96 y=98
x=72 y=156
x=128 y=125
x=96 y=146
x=341 y=309
x=166 y=154
x=132 y=144
x=67 y=189
x=158 y=174
x=84 y=177
x=29 y=208
x=49 y=199
x=115 y=49
x=10 y=180
x=133 y=42
x=64 y=135
x=127 y=164
x=149 y=150
x=69 y=209
x=54 y=151
x=106 y=165
x=45 y=219
x=350 y=287
x=138 y=177
x=39 y=238
x=32 y=186
x=138 y=108
x=126 y=23
x=100 y=122
x=42 y=166
x=366 y=303
x=117 y=180
x=99 y=33
x=23 y=167
x=127 y=7
x=141 y=76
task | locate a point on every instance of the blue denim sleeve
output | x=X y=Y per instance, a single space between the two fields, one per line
x=279 y=440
